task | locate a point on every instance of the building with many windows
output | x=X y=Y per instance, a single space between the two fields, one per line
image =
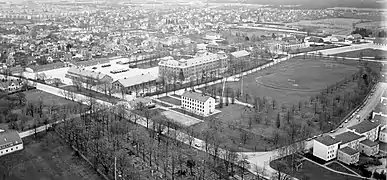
x=198 y=103
x=140 y=83
x=325 y=147
x=366 y=128
x=86 y=76
x=202 y=66
x=10 y=141
x=348 y=155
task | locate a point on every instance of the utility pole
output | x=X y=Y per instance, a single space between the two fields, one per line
x=242 y=84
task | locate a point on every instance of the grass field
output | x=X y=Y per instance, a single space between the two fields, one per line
x=367 y=53
x=47 y=98
x=287 y=84
x=312 y=171
x=338 y=167
x=45 y=157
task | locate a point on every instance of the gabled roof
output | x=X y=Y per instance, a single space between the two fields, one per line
x=349 y=151
x=239 y=54
x=327 y=140
x=86 y=73
x=364 y=127
x=10 y=137
x=347 y=137
x=196 y=96
x=136 y=80
x=369 y=143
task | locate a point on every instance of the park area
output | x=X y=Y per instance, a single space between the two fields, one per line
x=36 y=106
x=45 y=157
x=368 y=53
x=290 y=86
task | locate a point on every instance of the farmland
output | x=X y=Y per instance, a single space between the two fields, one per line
x=340 y=26
x=368 y=53
x=45 y=157
x=292 y=87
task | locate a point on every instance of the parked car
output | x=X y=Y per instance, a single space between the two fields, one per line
x=346 y=121
x=341 y=126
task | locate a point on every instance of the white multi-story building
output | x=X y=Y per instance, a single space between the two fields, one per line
x=383 y=135
x=10 y=141
x=366 y=128
x=197 y=103
x=204 y=64
x=325 y=147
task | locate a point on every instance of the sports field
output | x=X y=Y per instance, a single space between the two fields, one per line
x=293 y=80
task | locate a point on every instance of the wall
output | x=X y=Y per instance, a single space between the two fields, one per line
x=11 y=149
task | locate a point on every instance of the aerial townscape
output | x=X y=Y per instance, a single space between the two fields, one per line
x=193 y=90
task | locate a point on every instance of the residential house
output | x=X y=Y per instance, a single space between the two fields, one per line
x=383 y=135
x=325 y=147
x=369 y=148
x=348 y=155
x=90 y=78
x=11 y=85
x=350 y=139
x=198 y=103
x=381 y=120
x=354 y=37
x=10 y=141
x=139 y=83
x=366 y=128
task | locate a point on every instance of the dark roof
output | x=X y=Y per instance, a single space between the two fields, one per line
x=327 y=140
x=348 y=136
x=10 y=137
x=196 y=96
x=348 y=150
x=380 y=119
x=369 y=143
x=381 y=108
x=364 y=126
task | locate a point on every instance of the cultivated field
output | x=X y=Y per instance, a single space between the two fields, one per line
x=368 y=53
x=45 y=157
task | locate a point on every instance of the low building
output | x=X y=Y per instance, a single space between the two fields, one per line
x=216 y=48
x=349 y=139
x=325 y=148
x=380 y=109
x=355 y=37
x=10 y=141
x=11 y=85
x=86 y=76
x=382 y=120
x=369 y=148
x=348 y=155
x=383 y=135
x=197 y=103
x=143 y=82
x=240 y=55
x=366 y=128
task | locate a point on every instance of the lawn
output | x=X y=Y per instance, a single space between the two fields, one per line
x=367 y=53
x=312 y=171
x=48 y=99
x=170 y=100
x=339 y=167
x=180 y=118
x=292 y=82
x=311 y=49
x=45 y=157
x=98 y=95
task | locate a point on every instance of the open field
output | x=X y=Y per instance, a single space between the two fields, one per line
x=180 y=119
x=45 y=157
x=331 y=25
x=48 y=99
x=311 y=171
x=368 y=53
x=372 y=25
x=339 y=167
x=289 y=84
x=311 y=49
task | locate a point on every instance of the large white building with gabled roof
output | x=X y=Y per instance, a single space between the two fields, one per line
x=197 y=103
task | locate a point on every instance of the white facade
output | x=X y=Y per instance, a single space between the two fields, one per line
x=11 y=149
x=325 y=152
x=383 y=136
x=197 y=106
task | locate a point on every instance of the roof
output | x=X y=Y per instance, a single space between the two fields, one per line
x=204 y=58
x=381 y=108
x=384 y=130
x=9 y=138
x=136 y=80
x=239 y=54
x=327 y=140
x=86 y=73
x=369 y=143
x=380 y=119
x=357 y=36
x=348 y=150
x=196 y=96
x=364 y=126
x=347 y=137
